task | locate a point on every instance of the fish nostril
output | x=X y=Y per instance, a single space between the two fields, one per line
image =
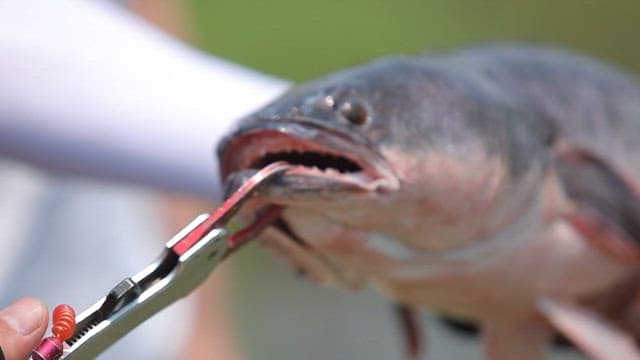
x=355 y=113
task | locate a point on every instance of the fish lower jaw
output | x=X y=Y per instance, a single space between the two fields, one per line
x=360 y=180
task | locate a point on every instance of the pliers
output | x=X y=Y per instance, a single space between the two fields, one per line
x=185 y=262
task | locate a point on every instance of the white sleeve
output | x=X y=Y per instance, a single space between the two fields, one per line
x=90 y=89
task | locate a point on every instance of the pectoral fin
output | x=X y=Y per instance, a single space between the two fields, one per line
x=588 y=331
x=604 y=208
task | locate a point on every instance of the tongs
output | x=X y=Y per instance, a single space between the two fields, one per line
x=185 y=262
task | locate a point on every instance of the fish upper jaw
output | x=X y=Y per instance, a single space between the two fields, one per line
x=326 y=161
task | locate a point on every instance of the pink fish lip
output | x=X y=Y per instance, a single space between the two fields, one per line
x=324 y=160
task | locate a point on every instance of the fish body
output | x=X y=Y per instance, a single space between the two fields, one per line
x=495 y=183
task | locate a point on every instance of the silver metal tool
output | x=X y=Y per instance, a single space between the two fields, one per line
x=186 y=261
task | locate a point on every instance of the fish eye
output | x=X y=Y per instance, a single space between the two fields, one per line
x=355 y=113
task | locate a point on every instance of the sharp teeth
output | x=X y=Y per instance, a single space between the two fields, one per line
x=331 y=171
x=326 y=161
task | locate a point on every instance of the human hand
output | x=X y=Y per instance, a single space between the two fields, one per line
x=22 y=326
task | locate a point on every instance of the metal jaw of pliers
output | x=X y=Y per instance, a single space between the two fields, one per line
x=186 y=261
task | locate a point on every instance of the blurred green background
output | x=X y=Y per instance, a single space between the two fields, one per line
x=282 y=318
x=300 y=40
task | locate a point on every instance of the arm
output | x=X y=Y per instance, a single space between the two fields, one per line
x=89 y=89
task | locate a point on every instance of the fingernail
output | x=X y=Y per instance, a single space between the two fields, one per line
x=24 y=316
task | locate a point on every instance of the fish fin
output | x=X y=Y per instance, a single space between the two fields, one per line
x=604 y=208
x=411 y=331
x=588 y=331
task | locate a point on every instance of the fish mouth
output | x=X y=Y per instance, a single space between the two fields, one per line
x=324 y=161
x=328 y=166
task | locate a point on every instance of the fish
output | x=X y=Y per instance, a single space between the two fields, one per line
x=497 y=183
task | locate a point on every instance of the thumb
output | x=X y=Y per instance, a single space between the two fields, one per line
x=22 y=326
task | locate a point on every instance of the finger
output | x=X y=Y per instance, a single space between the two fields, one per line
x=22 y=326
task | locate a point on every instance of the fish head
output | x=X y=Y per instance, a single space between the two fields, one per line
x=396 y=147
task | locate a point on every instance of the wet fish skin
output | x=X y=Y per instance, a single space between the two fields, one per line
x=496 y=156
